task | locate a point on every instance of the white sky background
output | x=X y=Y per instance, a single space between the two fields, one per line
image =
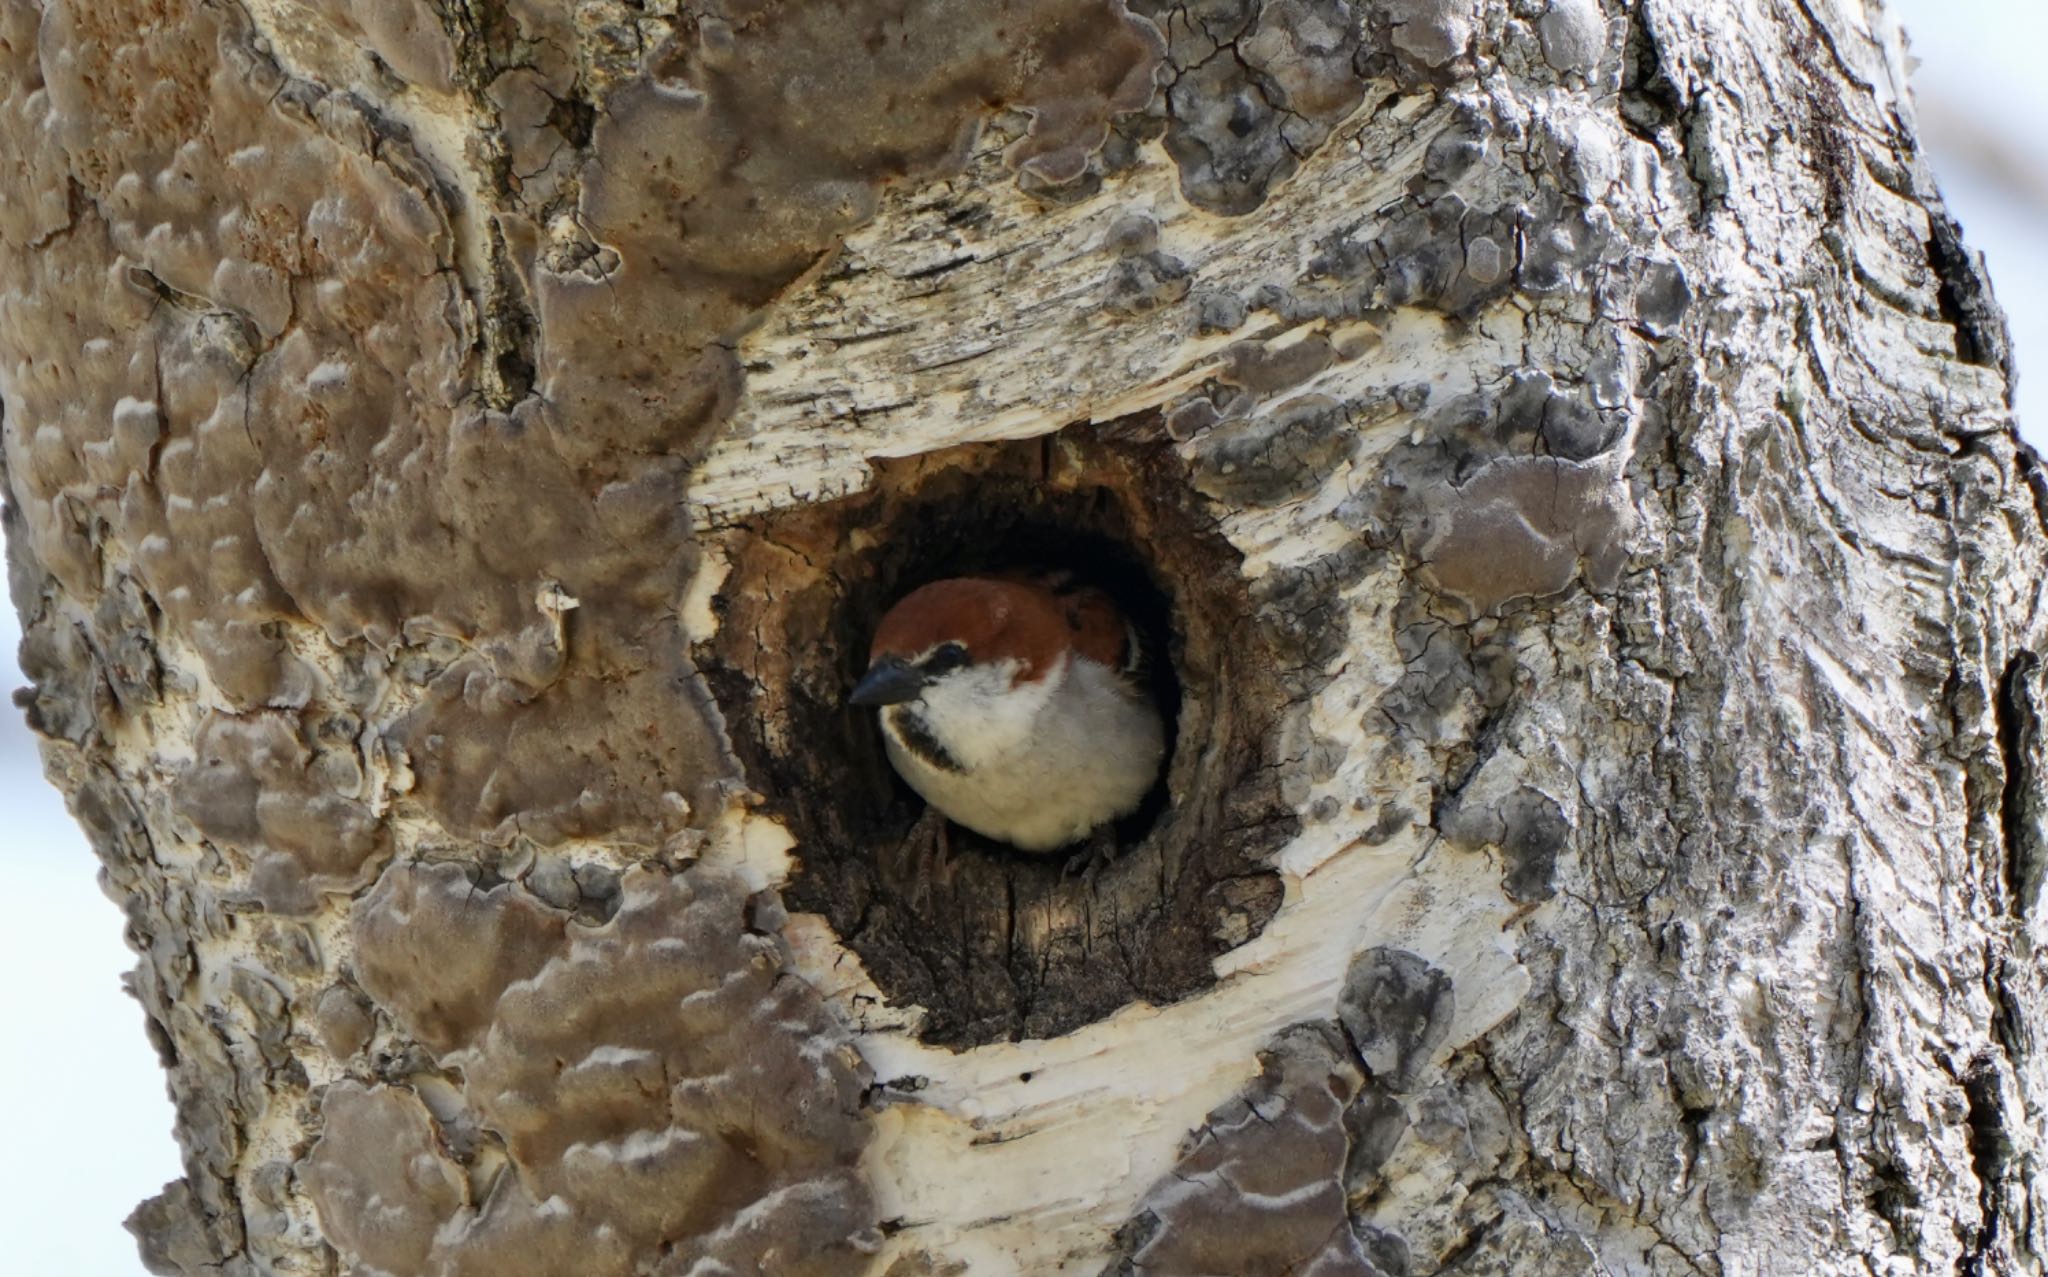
x=89 y=1124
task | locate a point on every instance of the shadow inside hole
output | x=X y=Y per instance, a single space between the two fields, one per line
x=1008 y=944
x=1011 y=541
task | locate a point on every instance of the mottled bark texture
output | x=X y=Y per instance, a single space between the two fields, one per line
x=1558 y=452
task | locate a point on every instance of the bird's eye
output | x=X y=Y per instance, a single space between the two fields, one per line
x=947 y=656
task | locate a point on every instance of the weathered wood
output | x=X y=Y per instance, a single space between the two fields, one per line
x=1558 y=450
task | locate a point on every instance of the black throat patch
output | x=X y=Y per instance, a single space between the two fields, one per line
x=915 y=735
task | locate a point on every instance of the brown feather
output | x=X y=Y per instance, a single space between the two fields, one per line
x=1023 y=619
x=1099 y=631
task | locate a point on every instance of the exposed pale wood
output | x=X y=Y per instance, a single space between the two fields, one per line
x=1641 y=593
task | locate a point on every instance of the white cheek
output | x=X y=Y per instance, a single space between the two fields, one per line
x=981 y=712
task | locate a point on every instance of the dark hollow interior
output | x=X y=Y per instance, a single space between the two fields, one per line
x=1060 y=538
x=1004 y=944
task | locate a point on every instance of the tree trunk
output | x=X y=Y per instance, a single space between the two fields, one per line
x=1557 y=450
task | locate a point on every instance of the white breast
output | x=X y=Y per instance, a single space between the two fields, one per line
x=1039 y=764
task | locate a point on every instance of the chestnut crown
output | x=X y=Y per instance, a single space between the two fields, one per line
x=997 y=618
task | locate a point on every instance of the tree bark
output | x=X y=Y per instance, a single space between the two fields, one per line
x=1559 y=454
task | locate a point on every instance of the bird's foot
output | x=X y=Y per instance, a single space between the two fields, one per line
x=926 y=857
x=1093 y=857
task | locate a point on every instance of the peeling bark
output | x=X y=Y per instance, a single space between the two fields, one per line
x=1558 y=453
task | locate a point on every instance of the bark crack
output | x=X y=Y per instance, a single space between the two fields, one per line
x=1990 y=1149
x=1964 y=298
x=2019 y=730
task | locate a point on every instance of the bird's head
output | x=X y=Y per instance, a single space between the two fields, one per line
x=952 y=629
x=1007 y=702
x=995 y=632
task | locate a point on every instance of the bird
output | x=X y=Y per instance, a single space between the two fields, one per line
x=1014 y=705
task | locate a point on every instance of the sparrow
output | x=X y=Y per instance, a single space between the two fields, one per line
x=1014 y=707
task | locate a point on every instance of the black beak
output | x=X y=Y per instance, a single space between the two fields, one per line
x=890 y=681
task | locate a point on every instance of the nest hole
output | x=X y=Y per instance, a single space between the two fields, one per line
x=1010 y=945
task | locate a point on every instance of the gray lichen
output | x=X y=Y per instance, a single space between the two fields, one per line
x=657 y=1076
x=1424 y=35
x=255 y=786
x=1281 y=456
x=1396 y=1009
x=1526 y=528
x=1259 y=1191
x=358 y=485
x=343 y=1022
x=1252 y=88
x=379 y=1180
x=437 y=950
x=1268 y=1184
x=1574 y=35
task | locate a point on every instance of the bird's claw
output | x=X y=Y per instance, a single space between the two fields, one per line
x=927 y=857
x=1093 y=857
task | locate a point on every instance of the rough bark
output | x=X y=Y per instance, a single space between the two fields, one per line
x=1559 y=450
